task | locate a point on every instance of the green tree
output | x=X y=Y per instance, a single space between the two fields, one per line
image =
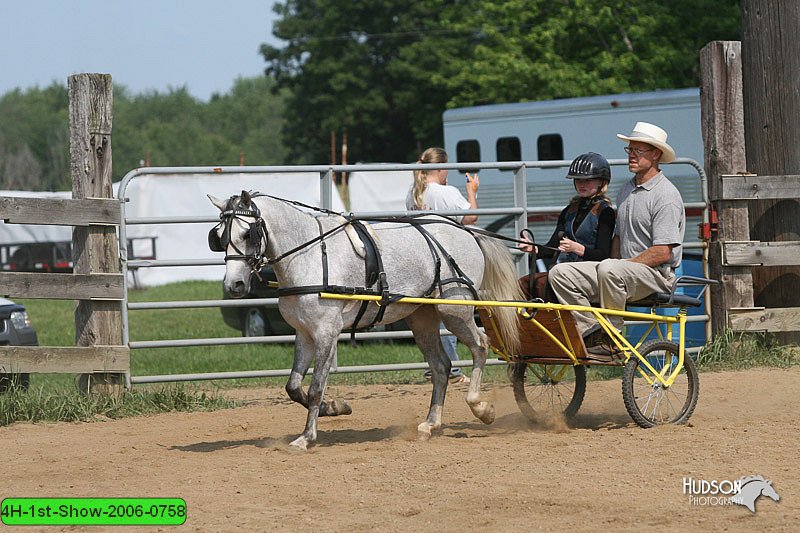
x=385 y=70
x=171 y=129
x=34 y=139
x=251 y=117
x=370 y=67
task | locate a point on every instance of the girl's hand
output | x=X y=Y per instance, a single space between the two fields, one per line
x=527 y=246
x=570 y=246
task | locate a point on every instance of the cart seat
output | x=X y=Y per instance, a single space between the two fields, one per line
x=670 y=299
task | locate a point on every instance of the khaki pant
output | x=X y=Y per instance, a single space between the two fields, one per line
x=610 y=283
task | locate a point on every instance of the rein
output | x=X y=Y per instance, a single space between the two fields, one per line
x=258 y=237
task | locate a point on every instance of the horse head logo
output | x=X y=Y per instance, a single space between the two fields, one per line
x=752 y=488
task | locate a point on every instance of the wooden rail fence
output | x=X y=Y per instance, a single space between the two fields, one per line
x=734 y=193
x=96 y=283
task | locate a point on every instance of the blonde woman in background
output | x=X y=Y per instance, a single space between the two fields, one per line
x=431 y=191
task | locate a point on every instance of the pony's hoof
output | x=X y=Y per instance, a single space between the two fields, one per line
x=423 y=432
x=341 y=407
x=299 y=444
x=484 y=412
x=335 y=408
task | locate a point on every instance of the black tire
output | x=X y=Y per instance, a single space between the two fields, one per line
x=20 y=381
x=652 y=404
x=255 y=323
x=547 y=388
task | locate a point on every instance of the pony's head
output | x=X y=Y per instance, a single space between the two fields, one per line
x=242 y=235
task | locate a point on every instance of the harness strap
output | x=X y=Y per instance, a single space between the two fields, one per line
x=373 y=272
x=437 y=260
x=462 y=278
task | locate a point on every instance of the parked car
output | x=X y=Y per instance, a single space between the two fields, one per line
x=15 y=330
x=40 y=257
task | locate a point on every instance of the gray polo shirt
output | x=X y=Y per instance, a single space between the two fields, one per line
x=649 y=215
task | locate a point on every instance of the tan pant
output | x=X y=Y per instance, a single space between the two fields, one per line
x=610 y=283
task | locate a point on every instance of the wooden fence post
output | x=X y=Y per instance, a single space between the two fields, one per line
x=94 y=248
x=770 y=66
x=722 y=122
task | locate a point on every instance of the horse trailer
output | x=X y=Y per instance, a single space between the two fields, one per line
x=559 y=130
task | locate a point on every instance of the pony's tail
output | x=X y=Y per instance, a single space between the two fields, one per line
x=500 y=283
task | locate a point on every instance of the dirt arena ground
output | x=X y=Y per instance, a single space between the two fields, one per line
x=369 y=473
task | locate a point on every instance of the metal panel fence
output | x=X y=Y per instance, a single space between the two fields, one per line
x=521 y=211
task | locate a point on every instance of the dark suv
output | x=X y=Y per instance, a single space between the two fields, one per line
x=15 y=330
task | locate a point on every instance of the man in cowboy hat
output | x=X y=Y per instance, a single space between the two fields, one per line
x=646 y=248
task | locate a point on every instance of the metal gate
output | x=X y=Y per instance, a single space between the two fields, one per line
x=520 y=211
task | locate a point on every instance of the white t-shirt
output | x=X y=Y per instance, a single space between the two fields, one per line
x=440 y=198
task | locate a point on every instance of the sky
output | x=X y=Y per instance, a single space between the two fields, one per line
x=145 y=45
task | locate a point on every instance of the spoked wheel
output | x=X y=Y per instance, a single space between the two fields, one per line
x=546 y=389
x=647 y=400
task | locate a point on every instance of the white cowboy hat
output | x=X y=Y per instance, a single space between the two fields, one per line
x=654 y=136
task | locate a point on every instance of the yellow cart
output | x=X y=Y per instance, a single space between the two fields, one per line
x=660 y=385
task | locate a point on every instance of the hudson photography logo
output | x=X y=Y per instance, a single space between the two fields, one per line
x=743 y=491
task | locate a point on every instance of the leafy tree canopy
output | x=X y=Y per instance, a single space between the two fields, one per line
x=385 y=70
x=166 y=129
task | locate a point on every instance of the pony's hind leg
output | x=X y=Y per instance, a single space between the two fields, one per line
x=424 y=322
x=460 y=321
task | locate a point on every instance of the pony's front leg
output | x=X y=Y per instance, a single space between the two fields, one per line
x=325 y=353
x=303 y=352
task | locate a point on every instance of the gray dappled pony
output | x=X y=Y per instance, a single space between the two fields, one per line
x=409 y=268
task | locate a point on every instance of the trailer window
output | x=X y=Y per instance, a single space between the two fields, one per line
x=508 y=149
x=468 y=151
x=550 y=147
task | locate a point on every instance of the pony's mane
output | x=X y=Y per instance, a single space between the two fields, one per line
x=255 y=194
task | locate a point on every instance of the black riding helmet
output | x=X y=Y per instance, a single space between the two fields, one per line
x=589 y=165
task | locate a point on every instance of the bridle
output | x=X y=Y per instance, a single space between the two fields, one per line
x=256 y=237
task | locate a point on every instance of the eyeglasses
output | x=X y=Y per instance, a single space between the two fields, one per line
x=638 y=151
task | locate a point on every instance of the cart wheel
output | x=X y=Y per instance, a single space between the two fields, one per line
x=547 y=388
x=651 y=404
